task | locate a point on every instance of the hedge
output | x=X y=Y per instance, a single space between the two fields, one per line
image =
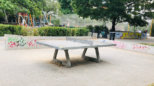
x=10 y=29
x=43 y=31
x=62 y=31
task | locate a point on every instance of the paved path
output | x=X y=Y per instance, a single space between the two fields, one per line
x=33 y=67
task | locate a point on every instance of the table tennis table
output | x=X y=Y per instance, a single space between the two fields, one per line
x=73 y=43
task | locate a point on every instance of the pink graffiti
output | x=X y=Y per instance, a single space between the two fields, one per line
x=32 y=43
x=12 y=44
x=119 y=44
x=142 y=47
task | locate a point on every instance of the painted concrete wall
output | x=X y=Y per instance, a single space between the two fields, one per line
x=134 y=47
x=29 y=42
x=130 y=35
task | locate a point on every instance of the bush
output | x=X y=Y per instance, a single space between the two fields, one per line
x=10 y=29
x=43 y=31
x=29 y=32
x=97 y=28
x=90 y=28
x=105 y=29
x=62 y=31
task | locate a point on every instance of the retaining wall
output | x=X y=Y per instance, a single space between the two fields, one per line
x=29 y=42
x=134 y=47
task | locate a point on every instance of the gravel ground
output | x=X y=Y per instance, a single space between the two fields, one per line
x=33 y=67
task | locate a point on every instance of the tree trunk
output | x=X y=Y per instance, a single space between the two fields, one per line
x=113 y=24
x=112 y=32
x=6 y=16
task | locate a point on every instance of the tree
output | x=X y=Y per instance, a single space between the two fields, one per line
x=12 y=7
x=133 y=11
x=66 y=7
x=33 y=7
x=7 y=7
x=52 y=6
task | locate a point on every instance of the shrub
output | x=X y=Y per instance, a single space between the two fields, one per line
x=43 y=31
x=90 y=28
x=105 y=29
x=29 y=32
x=10 y=29
x=62 y=31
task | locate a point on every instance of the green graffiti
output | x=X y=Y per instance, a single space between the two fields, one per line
x=18 y=41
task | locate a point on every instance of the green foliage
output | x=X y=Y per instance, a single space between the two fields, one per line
x=43 y=31
x=56 y=22
x=66 y=7
x=90 y=28
x=10 y=29
x=29 y=31
x=115 y=11
x=105 y=29
x=1 y=16
x=98 y=28
x=12 y=7
x=52 y=6
x=152 y=32
x=62 y=31
x=34 y=7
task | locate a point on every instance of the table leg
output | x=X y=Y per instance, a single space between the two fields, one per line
x=68 y=62
x=84 y=52
x=97 y=59
x=97 y=54
x=55 y=54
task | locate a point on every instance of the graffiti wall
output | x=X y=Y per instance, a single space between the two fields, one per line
x=131 y=46
x=134 y=47
x=29 y=42
x=15 y=42
x=129 y=35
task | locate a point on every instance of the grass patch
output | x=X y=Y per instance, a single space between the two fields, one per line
x=149 y=44
x=151 y=84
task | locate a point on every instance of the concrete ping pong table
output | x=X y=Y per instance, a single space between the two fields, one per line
x=72 y=43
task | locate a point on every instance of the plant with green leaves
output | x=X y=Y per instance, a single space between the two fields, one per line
x=66 y=7
x=12 y=7
x=7 y=8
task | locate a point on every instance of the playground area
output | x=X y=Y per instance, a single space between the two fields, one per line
x=31 y=67
x=76 y=42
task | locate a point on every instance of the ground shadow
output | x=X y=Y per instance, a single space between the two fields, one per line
x=76 y=61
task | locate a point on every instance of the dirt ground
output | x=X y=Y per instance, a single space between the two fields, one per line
x=33 y=67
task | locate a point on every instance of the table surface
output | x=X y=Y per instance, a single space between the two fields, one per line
x=74 y=43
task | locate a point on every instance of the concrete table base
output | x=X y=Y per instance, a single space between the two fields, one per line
x=68 y=62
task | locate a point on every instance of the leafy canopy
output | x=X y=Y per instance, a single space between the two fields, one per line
x=133 y=11
x=66 y=7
